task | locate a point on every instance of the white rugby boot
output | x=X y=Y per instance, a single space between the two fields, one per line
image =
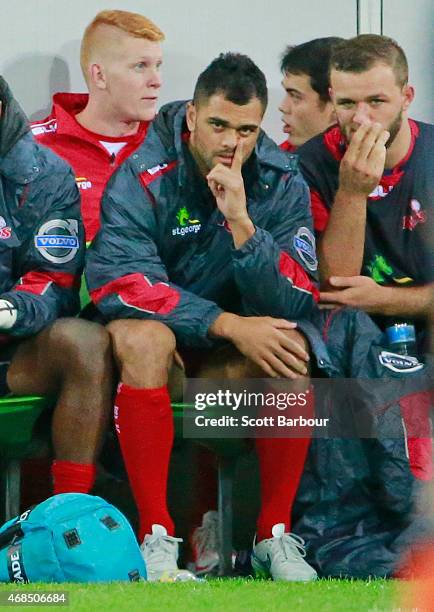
x=281 y=557
x=204 y=543
x=160 y=553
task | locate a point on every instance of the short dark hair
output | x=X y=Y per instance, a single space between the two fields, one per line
x=235 y=76
x=311 y=58
x=362 y=52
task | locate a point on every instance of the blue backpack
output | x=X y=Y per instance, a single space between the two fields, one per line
x=70 y=538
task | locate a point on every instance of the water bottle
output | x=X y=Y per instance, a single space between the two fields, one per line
x=402 y=339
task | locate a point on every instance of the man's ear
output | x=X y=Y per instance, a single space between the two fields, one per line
x=97 y=76
x=331 y=95
x=408 y=95
x=191 y=116
x=332 y=118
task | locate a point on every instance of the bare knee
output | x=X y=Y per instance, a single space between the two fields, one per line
x=143 y=351
x=133 y=339
x=83 y=349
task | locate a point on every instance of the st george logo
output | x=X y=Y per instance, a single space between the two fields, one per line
x=381 y=271
x=185 y=223
x=183 y=217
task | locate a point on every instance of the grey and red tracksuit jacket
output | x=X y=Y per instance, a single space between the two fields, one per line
x=165 y=252
x=41 y=233
x=92 y=163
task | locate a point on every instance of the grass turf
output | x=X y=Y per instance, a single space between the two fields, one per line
x=226 y=595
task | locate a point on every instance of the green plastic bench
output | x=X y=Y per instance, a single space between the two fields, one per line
x=17 y=419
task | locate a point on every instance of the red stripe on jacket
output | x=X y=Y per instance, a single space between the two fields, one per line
x=38 y=282
x=137 y=291
x=295 y=273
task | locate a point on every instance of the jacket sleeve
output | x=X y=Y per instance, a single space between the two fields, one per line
x=52 y=256
x=275 y=269
x=125 y=274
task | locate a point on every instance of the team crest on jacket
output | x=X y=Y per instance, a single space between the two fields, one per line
x=416 y=216
x=304 y=244
x=186 y=225
x=57 y=240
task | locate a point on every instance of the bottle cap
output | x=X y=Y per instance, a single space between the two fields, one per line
x=401 y=332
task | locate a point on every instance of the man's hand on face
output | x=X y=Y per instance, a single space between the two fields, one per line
x=227 y=187
x=273 y=344
x=355 y=291
x=362 y=166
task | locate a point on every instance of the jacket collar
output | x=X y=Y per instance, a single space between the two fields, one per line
x=18 y=151
x=67 y=105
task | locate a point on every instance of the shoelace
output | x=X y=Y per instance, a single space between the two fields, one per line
x=291 y=545
x=160 y=548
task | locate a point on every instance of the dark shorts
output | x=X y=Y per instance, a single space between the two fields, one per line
x=195 y=358
x=6 y=354
x=91 y=313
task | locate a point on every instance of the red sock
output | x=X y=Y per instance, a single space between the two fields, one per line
x=144 y=424
x=281 y=464
x=69 y=477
